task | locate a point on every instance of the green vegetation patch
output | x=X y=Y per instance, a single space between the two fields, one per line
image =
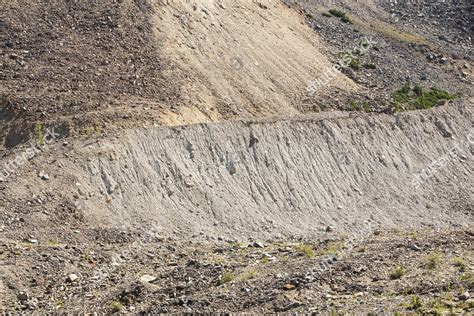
x=226 y=277
x=360 y=106
x=354 y=64
x=116 y=306
x=305 y=249
x=460 y=263
x=415 y=304
x=398 y=272
x=340 y=14
x=369 y=66
x=39 y=135
x=417 y=98
x=432 y=261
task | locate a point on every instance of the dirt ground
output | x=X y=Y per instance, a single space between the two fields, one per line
x=168 y=157
x=91 y=65
x=411 y=272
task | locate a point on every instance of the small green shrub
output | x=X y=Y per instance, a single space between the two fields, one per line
x=369 y=66
x=325 y=14
x=346 y=19
x=415 y=303
x=432 y=261
x=337 y=13
x=340 y=14
x=264 y=260
x=398 y=272
x=418 y=90
x=334 y=248
x=460 y=263
x=305 y=249
x=39 y=133
x=418 y=98
x=247 y=275
x=116 y=306
x=361 y=107
x=354 y=64
x=226 y=277
x=430 y=98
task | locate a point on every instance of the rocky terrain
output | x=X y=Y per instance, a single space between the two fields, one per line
x=205 y=157
x=416 y=272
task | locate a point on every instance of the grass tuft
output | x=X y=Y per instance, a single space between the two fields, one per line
x=116 y=306
x=305 y=249
x=415 y=303
x=398 y=272
x=369 y=66
x=39 y=133
x=361 y=107
x=340 y=14
x=432 y=261
x=460 y=263
x=226 y=278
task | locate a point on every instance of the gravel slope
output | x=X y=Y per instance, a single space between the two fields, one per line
x=257 y=179
x=264 y=179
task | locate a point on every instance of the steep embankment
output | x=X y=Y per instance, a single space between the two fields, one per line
x=255 y=179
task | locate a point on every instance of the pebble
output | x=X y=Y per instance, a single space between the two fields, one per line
x=415 y=247
x=72 y=277
x=23 y=296
x=465 y=296
x=289 y=287
x=147 y=278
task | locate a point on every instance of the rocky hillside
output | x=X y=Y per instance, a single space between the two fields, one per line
x=87 y=65
x=236 y=156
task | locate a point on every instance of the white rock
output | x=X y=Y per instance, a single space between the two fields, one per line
x=147 y=278
x=72 y=277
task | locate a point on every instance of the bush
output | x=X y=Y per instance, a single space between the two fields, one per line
x=116 y=306
x=418 y=98
x=428 y=99
x=337 y=13
x=415 y=303
x=305 y=249
x=354 y=64
x=226 y=277
x=398 y=272
x=362 y=107
x=39 y=133
x=369 y=66
x=460 y=263
x=432 y=261
x=345 y=19
x=340 y=14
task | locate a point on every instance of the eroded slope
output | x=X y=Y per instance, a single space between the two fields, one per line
x=261 y=179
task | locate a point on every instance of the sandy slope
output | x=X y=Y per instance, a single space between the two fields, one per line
x=241 y=58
